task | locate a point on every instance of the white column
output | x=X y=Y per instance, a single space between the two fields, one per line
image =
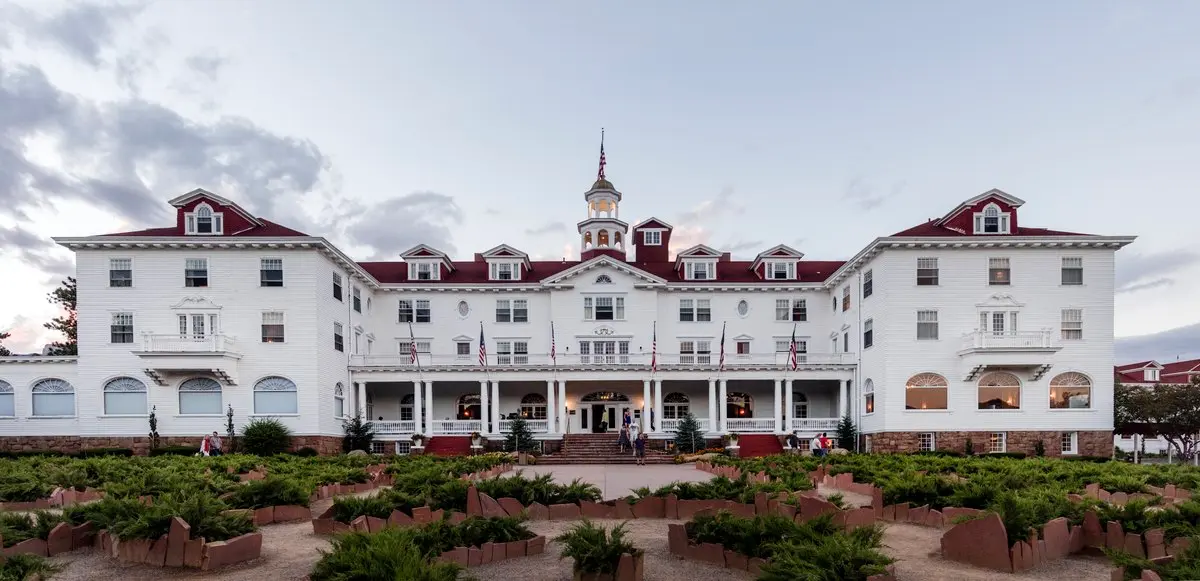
x=418 y=409
x=647 y=405
x=361 y=398
x=723 y=406
x=551 y=407
x=484 y=409
x=712 y=406
x=779 y=406
x=496 y=406
x=564 y=418
x=428 y=409
x=789 y=409
x=843 y=388
x=658 y=407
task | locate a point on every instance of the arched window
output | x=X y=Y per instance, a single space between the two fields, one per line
x=1071 y=390
x=617 y=239
x=200 y=396
x=603 y=279
x=339 y=401
x=999 y=390
x=799 y=405
x=925 y=391
x=53 y=397
x=8 y=405
x=739 y=405
x=675 y=405
x=468 y=407
x=533 y=406
x=603 y=396
x=124 y=396
x=275 y=395
x=587 y=240
x=406 y=408
x=868 y=397
x=602 y=239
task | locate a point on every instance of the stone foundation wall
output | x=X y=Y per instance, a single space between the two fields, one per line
x=141 y=445
x=1092 y=443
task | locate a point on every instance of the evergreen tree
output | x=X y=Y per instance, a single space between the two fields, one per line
x=66 y=324
x=520 y=437
x=4 y=352
x=230 y=443
x=154 y=428
x=689 y=438
x=847 y=433
x=358 y=434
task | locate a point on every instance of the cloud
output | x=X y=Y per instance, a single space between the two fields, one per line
x=736 y=248
x=1166 y=346
x=207 y=65
x=695 y=226
x=427 y=218
x=868 y=196
x=491 y=211
x=36 y=251
x=25 y=335
x=550 y=228
x=1145 y=271
x=84 y=31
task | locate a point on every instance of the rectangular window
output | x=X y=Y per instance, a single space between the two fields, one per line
x=604 y=309
x=357 y=341
x=512 y=352
x=799 y=310
x=270 y=272
x=868 y=333
x=868 y=283
x=338 y=341
x=700 y=271
x=1072 y=270
x=927 y=325
x=743 y=347
x=337 y=286
x=925 y=442
x=503 y=271
x=512 y=311
x=997 y=442
x=414 y=311
x=462 y=349
x=122 y=328
x=652 y=237
x=695 y=310
x=998 y=271
x=272 y=327
x=589 y=309
x=1070 y=443
x=846 y=342
x=195 y=272
x=697 y=352
x=120 y=272
x=1072 y=324
x=998 y=323
x=423 y=271
x=927 y=272
x=781 y=270
x=846 y=299
x=356 y=296
x=423 y=349
x=783 y=310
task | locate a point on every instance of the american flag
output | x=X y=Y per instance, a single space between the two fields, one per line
x=721 y=363
x=600 y=174
x=793 y=361
x=482 y=347
x=412 y=346
x=553 y=350
x=654 y=349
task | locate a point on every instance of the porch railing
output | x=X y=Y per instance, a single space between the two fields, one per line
x=665 y=360
x=176 y=343
x=761 y=425
x=814 y=424
x=1001 y=341
x=453 y=427
x=387 y=428
x=535 y=426
x=672 y=425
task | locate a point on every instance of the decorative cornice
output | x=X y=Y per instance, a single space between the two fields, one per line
x=38 y=359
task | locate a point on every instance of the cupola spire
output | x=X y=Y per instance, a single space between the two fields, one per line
x=600 y=173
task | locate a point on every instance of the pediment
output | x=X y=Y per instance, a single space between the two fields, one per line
x=652 y=224
x=699 y=251
x=505 y=251
x=196 y=304
x=1000 y=300
x=463 y=339
x=781 y=251
x=743 y=337
x=424 y=251
x=990 y=195
x=602 y=264
x=215 y=201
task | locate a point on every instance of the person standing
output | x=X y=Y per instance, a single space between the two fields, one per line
x=639 y=449
x=214 y=445
x=627 y=419
x=623 y=439
x=825 y=444
x=814 y=446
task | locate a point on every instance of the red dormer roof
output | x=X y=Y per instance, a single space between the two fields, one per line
x=237 y=221
x=393 y=272
x=960 y=220
x=268 y=229
x=1174 y=372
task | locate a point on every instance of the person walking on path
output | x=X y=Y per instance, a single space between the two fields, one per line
x=623 y=439
x=639 y=447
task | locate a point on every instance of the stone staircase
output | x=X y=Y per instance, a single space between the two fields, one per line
x=600 y=449
x=449 y=446
x=756 y=445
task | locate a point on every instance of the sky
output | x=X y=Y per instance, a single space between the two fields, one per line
x=463 y=125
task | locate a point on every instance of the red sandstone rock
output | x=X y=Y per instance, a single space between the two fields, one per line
x=291 y=512
x=264 y=516
x=736 y=560
x=811 y=508
x=177 y=539
x=623 y=510
x=980 y=542
x=934 y=519
x=360 y=524
x=81 y=536
x=375 y=524
x=564 y=511
x=596 y=510
x=952 y=513
x=59 y=540
x=877 y=501
x=485 y=553
x=236 y=550
x=158 y=552
x=474 y=557
x=1092 y=490
x=1058 y=539
x=457 y=555
x=629 y=568
x=456 y=517
x=1148 y=575
x=889 y=513
x=538 y=511
x=511 y=506
x=917 y=515
x=422 y=515
x=677 y=541
x=1155 y=548
x=28 y=547
x=138 y=549
x=1076 y=543
x=902 y=512
x=491 y=508
x=859 y=517
x=671 y=504
x=1119 y=498
x=536 y=546
x=1093 y=531
x=740 y=509
x=517 y=549
x=1133 y=545
x=712 y=553
x=760 y=503
x=1115 y=537
x=844 y=480
x=499 y=551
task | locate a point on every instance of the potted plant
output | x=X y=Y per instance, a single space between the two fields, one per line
x=418 y=443
x=600 y=554
x=731 y=440
x=476 y=439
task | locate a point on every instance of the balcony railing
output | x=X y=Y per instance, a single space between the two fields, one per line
x=814 y=424
x=388 y=428
x=664 y=360
x=1001 y=341
x=211 y=343
x=672 y=425
x=760 y=425
x=535 y=426
x=456 y=427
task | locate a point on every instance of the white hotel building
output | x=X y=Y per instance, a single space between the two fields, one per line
x=972 y=326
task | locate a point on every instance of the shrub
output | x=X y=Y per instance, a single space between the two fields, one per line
x=595 y=549
x=175 y=451
x=105 y=512
x=202 y=511
x=16 y=527
x=266 y=437
x=390 y=554
x=307 y=452
x=96 y=452
x=270 y=491
x=26 y=568
x=520 y=437
x=22 y=487
x=852 y=556
x=358 y=434
x=689 y=438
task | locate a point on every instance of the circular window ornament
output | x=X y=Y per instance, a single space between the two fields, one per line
x=743 y=308
x=464 y=309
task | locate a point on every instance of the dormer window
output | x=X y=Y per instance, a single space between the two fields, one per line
x=992 y=221
x=1151 y=375
x=701 y=271
x=505 y=271
x=652 y=237
x=204 y=221
x=423 y=271
x=781 y=270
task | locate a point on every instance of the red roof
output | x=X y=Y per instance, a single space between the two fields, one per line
x=932 y=228
x=267 y=230
x=391 y=272
x=1174 y=372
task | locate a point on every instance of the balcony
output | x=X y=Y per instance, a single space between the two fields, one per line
x=181 y=355
x=451 y=427
x=672 y=425
x=1030 y=350
x=666 y=361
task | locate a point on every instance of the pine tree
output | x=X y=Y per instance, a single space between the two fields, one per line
x=154 y=428
x=68 y=325
x=847 y=434
x=230 y=443
x=358 y=434
x=4 y=352
x=689 y=438
x=520 y=437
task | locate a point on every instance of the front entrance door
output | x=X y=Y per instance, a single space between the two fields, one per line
x=603 y=418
